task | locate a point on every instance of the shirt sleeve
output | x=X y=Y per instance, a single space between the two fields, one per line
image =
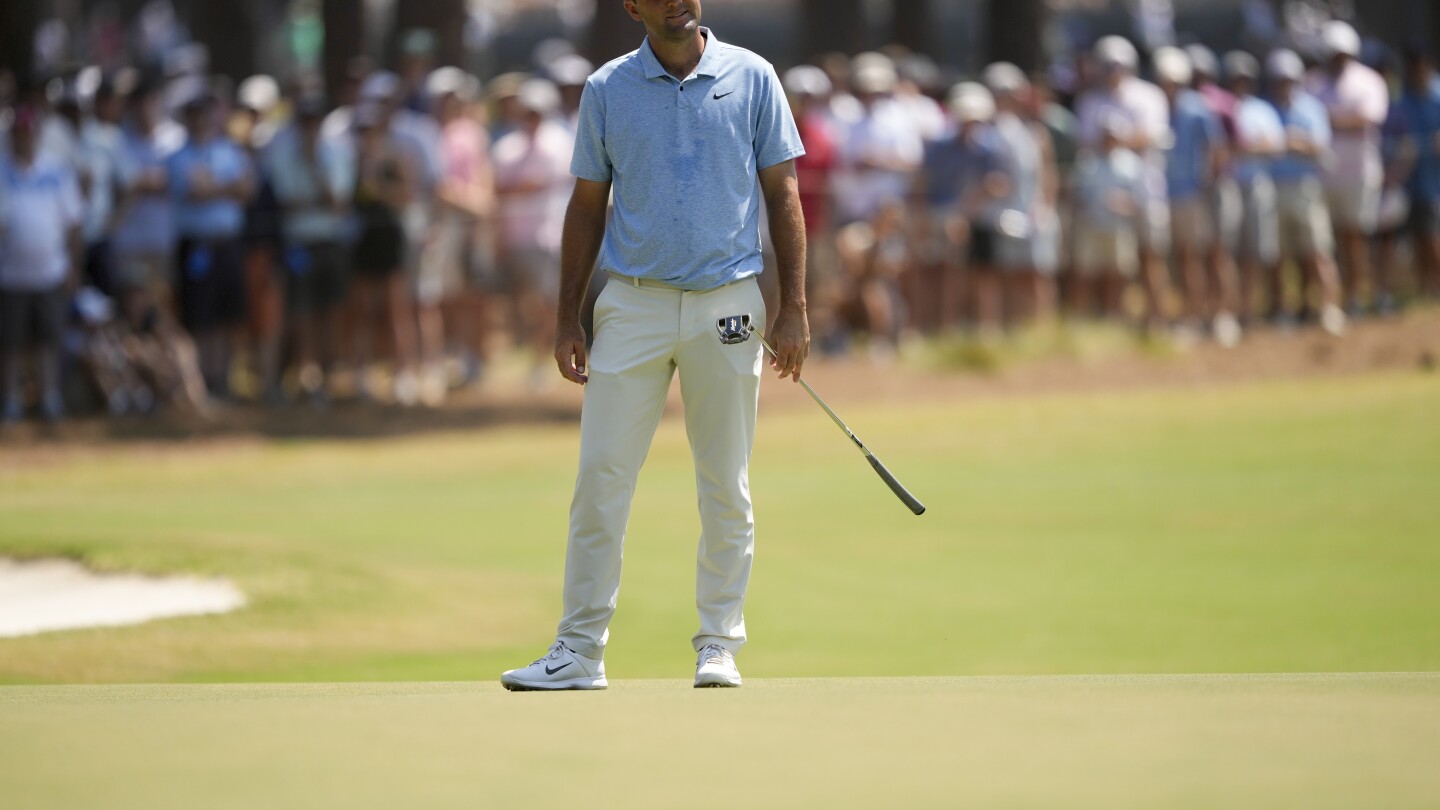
x=777 y=139
x=591 y=160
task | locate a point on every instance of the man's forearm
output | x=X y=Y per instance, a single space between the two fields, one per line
x=580 y=245
x=787 y=231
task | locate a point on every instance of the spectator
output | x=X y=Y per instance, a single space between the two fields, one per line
x=1111 y=191
x=1304 y=221
x=252 y=126
x=1025 y=226
x=876 y=256
x=976 y=161
x=533 y=181
x=808 y=89
x=1357 y=100
x=1144 y=109
x=110 y=172
x=465 y=212
x=211 y=182
x=385 y=185
x=1190 y=169
x=143 y=245
x=314 y=183
x=1415 y=121
x=1259 y=139
x=39 y=243
x=882 y=149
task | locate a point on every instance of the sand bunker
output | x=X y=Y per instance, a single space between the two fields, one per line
x=46 y=595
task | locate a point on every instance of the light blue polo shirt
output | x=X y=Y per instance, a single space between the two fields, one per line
x=683 y=158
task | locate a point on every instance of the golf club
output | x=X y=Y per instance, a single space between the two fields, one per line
x=895 y=486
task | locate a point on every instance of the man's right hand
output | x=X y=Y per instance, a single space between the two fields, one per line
x=570 y=353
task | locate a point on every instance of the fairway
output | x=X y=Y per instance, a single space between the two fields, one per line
x=1313 y=741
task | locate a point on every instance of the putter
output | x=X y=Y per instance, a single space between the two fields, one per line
x=885 y=475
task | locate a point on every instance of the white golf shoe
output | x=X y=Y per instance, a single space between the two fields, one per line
x=560 y=668
x=715 y=666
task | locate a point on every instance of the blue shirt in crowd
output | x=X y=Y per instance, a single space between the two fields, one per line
x=1415 y=117
x=683 y=158
x=214 y=218
x=1306 y=114
x=1197 y=131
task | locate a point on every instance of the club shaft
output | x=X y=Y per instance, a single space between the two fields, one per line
x=895 y=486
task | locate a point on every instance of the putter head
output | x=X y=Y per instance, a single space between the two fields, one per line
x=734 y=329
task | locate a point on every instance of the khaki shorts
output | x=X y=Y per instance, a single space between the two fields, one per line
x=440 y=270
x=1192 y=224
x=1101 y=250
x=1260 y=230
x=1304 y=220
x=1355 y=206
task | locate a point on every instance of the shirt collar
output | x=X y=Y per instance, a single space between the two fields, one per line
x=709 y=60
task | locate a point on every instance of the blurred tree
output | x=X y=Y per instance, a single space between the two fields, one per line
x=227 y=31
x=344 y=39
x=446 y=18
x=913 y=24
x=1013 y=32
x=18 y=20
x=833 y=25
x=612 y=32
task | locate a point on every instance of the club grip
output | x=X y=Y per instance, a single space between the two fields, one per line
x=900 y=492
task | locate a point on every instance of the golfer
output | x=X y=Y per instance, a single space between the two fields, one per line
x=680 y=131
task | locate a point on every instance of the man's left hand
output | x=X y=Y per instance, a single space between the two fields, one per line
x=790 y=337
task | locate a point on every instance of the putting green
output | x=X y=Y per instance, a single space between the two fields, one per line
x=1313 y=741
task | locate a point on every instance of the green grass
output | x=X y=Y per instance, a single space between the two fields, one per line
x=1280 y=527
x=1114 y=742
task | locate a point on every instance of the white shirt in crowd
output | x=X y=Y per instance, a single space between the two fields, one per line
x=885 y=135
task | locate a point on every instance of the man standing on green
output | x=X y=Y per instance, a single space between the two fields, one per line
x=680 y=131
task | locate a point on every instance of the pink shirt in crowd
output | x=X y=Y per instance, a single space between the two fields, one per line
x=1357 y=90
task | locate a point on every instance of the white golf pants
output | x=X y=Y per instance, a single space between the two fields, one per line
x=643 y=334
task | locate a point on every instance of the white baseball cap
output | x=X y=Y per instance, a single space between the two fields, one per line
x=971 y=101
x=451 y=81
x=1173 y=65
x=1116 y=51
x=1283 y=63
x=538 y=96
x=1202 y=60
x=258 y=93
x=807 y=80
x=1241 y=65
x=1006 y=79
x=1339 y=37
x=874 y=77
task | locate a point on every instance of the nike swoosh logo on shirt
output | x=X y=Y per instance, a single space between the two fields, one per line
x=719 y=96
x=549 y=671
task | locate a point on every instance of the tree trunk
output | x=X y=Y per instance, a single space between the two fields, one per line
x=344 y=22
x=227 y=32
x=913 y=25
x=833 y=25
x=18 y=21
x=612 y=32
x=446 y=18
x=1013 y=32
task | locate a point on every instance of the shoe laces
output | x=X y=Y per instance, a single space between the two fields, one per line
x=715 y=654
x=552 y=654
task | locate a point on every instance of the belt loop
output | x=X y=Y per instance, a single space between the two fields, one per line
x=635 y=280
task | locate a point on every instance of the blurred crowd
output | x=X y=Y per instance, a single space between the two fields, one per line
x=171 y=240
x=1184 y=192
